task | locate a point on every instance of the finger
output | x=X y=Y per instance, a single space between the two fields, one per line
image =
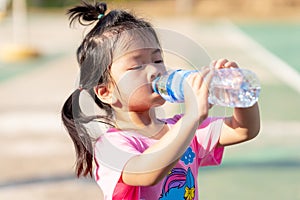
x=208 y=78
x=220 y=63
x=213 y=63
x=198 y=81
x=191 y=79
x=205 y=67
x=231 y=64
x=205 y=70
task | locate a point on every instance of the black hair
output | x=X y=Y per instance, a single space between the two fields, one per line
x=94 y=56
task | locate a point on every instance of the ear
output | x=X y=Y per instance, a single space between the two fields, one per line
x=104 y=93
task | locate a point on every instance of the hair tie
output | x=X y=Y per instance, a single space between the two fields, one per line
x=99 y=16
x=80 y=88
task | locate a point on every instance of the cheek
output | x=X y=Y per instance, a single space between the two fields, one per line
x=135 y=94
x=132 y=88
x=127 y=84
x=139 y=100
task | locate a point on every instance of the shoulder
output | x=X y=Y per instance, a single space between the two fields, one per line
x=212 y=121
x=125 y=140
x=207 y=122
x=173 y=120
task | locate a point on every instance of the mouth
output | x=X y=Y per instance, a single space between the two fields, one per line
x=153 y=85
x=151 y=88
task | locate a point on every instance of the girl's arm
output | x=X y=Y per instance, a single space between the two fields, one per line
x=245 y=122
x=153 y=164
x=242 y=126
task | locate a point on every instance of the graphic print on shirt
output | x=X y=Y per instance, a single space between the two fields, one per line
x=188 y=156
x=179 y=185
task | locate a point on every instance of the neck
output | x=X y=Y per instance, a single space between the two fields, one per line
x=144 y=123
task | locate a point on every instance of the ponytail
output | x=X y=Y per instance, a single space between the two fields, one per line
x=87 y=13
x=74 y=119
x=71 y=114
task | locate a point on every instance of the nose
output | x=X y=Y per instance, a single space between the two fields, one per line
x=156 y=70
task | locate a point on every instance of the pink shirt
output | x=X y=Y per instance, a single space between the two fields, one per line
x=115 y=148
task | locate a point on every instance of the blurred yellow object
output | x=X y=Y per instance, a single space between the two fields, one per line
x=16 y=53
x=2 y=15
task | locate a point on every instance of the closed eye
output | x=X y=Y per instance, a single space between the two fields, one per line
x=137 y=67
x=158 y=61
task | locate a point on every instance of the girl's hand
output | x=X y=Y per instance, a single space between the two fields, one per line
x=224 y=63
x=196 y=94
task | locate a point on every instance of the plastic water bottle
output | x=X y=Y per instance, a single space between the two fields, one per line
x=230 y=87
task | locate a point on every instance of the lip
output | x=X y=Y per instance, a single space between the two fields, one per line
x=152 y=90
x=154 y=83
x=151 y=87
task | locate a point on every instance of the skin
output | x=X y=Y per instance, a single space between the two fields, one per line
x=133 y=101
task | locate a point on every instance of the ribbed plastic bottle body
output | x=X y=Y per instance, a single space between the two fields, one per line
x=230 y=87
x=234 y=87
x=170 y=85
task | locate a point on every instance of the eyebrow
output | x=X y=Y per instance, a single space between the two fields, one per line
x=156 y=51
x=152 y=53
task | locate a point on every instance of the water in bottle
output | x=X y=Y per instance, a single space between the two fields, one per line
x=230 y=87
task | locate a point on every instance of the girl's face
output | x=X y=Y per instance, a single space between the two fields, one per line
x=133 y=73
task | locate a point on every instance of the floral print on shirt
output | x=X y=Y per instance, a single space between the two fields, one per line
x=188 y=156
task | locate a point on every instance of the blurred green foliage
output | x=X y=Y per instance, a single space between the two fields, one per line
x=63 y=3
x=50 y=3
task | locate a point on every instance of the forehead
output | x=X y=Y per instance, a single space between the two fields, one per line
x=132 y=40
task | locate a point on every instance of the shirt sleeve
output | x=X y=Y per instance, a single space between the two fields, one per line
x=206 y=139
x=111 y=153
x=115 y=149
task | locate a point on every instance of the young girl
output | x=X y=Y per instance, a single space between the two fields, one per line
x=141 y=156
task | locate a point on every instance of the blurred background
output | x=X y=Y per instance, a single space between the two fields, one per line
x=38 y=71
